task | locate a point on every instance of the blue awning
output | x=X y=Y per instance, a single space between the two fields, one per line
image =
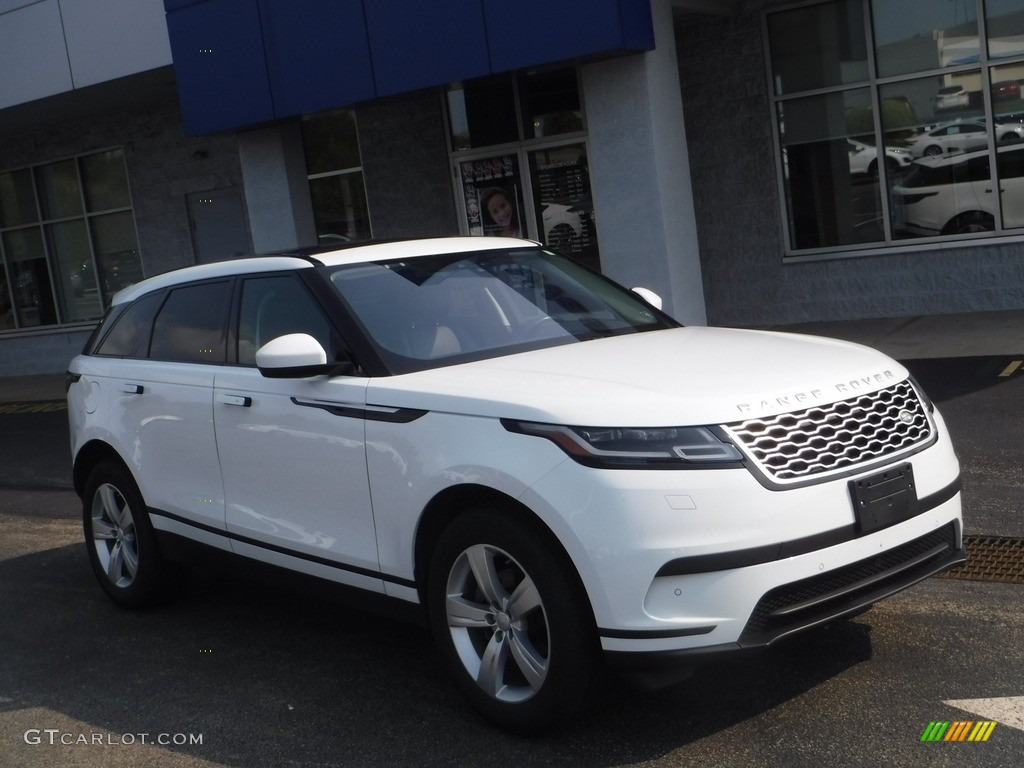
x=245 y=62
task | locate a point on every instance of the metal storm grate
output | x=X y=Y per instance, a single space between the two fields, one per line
x=803 y=444
x=991 y=558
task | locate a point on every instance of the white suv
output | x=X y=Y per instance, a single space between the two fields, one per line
x=546 y=466
x=955 y=195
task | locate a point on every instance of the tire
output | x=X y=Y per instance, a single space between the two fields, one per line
x=511 y=622
x=967 y=223
x=120 y=541
x=932 y=151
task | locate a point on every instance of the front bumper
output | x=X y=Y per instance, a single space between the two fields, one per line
x=710 y=560
x=809 y=602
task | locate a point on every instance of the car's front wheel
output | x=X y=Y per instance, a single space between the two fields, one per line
x=511 y=622
x=119 y=537
x=971 y=222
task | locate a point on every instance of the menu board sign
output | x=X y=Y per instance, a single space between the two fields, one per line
x=565 y=209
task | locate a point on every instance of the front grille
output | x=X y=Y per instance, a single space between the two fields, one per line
x=823 y=439
x=819 y=598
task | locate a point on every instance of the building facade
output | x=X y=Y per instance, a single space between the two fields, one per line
x=723 y=153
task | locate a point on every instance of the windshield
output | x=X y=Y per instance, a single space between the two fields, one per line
x=436 y=310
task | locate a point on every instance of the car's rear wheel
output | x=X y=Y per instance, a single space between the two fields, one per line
x=511 y=622
x=122 y=547
x=967 y=223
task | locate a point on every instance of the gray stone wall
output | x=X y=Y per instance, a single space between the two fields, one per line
x=739 y=214
x=405 y=166
x=164 y=167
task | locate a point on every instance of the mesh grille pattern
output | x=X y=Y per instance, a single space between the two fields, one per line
x=801 y=444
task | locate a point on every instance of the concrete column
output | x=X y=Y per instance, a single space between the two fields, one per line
x=640 y=172
x=276 y=188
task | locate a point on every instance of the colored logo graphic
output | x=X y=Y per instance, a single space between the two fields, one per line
x=959 y=730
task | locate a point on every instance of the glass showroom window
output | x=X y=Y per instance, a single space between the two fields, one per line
x=67 y=240
x=520 y=155
x=336 y=178
x=893 y=118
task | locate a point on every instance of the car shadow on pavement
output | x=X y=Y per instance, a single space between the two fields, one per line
x=269 y=676
x=947 y=378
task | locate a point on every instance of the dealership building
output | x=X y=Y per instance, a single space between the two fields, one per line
x=755 y=162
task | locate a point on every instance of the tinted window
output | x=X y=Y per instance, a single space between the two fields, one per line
x=129 y=336
x=190 y=326
x=1011 y=163
x=276 y=306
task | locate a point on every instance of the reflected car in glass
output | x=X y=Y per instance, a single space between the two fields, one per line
x=955 y=195
x=543 y=466
x=1006 y=90
x=963 y=136
x=952 y=97
x=863 y=158
x=959 y=136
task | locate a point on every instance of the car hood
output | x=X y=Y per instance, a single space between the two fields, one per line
x=682 y=376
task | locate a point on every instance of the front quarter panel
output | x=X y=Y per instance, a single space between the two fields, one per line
x=409 y=464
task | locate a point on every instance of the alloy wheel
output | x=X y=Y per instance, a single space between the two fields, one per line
x=498 y=624
x=114 y=536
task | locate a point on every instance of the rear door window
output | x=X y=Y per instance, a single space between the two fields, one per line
x=191 y=325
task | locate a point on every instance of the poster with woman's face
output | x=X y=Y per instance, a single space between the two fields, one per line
x=494 y=196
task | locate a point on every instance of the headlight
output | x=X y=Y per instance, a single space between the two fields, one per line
x=636 y=447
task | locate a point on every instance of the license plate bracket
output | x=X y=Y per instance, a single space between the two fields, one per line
x=884 y=499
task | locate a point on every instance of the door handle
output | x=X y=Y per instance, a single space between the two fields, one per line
x=239 y=400
x=133 y=389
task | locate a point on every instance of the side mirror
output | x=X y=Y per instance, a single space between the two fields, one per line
x=296 y=356
x=649 y=296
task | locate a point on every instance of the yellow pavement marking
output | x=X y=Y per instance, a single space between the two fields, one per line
x=49 y=406
x=1011 y=368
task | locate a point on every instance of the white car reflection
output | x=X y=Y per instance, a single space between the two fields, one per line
x=863 y=158
x=955 y=195
x=962 y=136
